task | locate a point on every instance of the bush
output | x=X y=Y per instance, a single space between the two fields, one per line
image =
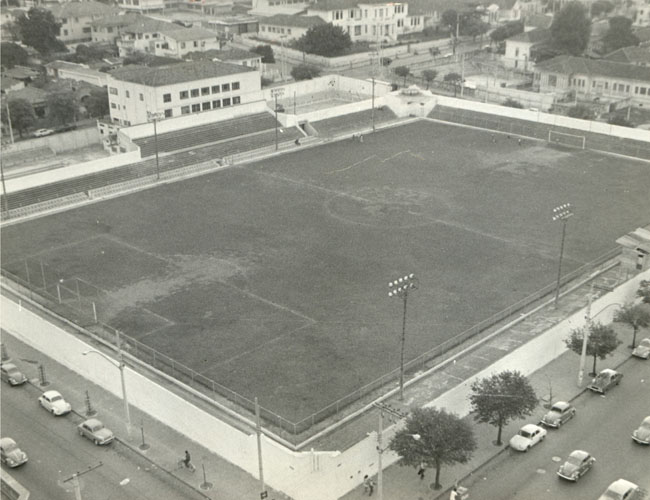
x=511 y=103
x=620 y=121
x=304 y=72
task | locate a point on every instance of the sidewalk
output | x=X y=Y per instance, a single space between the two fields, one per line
x=165 y=446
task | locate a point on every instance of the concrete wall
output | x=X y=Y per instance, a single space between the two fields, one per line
x=326 y=83
x=65 y=141
x=302 y=475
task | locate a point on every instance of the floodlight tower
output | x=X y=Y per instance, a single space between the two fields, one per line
x=401 y=288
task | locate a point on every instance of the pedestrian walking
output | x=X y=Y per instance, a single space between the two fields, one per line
x=360 y=137
x=421 y=470
x=187 y=461
x=368 y=485
x=519 y=141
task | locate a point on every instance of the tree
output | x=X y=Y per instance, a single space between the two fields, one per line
x=580 y=111
x=511 y=103
x=325 y=40
x=266 y=52
x=600 y=7
x=39 y=29
x=402 y=72
x=429 y=75
x=12 y=54
x=454 y=79
x=62 y=106
x=503 y=396
x=620 y=120
x=22 y=115
x=570 y=29
x=474 y=27
x=506 y=31
x=92 y=53
x=634 y=315
x=445 y=439
x=644 y=291
x=619 y=34
x=450 y=18
x=601 y=342
x=97 y=103
x=304 y=72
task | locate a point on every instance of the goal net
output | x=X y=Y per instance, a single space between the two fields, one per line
x=564 y=139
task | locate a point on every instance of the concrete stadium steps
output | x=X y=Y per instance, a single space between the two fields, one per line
x=11 y=158
x=204 y=134
x=353 y=122
x=169 y=163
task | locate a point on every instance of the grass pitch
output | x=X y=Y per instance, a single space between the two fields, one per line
x=272 y=278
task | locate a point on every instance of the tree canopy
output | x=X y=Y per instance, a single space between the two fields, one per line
x=429 y=75
x=454 y=79
x=21 y=114
x=324 y=40
x=97 y=103
x=570 y=29
x=39 y=29
x=504 y=396
x=644 y=291
x=600 y=7
x=601 y=342
x=580 y=111
x=13 y=54
x=266 y=51
x=619 y=35
x=506 y=31
x=444 y=439
x=62 y=106
x=402 y=72
x=304 y=72
x=634 y=315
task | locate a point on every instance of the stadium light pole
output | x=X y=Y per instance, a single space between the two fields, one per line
x=561 y=213
x=276 y=93
x=401 y=288
x=154 y=117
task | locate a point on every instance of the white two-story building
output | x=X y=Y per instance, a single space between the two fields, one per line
x=135 y=92
x=76 y=19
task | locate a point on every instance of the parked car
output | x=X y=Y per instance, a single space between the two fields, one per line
x=11 y=374
x=642 y=434
x=559 y=413
x=642 y=350
x=10 y=454
x=53 y=402
x=527 y=437
x=621 y=489
x=42 y=132
x=576 y=466
x=605 y=380
x=94 y=430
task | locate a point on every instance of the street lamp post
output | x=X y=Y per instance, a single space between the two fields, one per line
x=120 y=365
x=561 y=213
x=276 y=93
x=400 y=288
x=154 y=117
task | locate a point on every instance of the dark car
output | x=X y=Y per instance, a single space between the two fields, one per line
x=559 y=413
x=605 y=380
x=10 y=374
x=577 y=465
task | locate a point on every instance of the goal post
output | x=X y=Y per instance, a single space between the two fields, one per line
x=564 y=139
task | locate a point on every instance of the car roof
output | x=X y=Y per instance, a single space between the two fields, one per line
x=49 y=394
x=621 y=486
x=645 y=341
x=9 y=366
x=6 y=441
x=561 y=404
x=646 y=421
x=92 y=422
x=530 y=427
x=579 y=454
x=608 y=371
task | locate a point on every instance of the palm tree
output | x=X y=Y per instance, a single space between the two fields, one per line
x=634 y=315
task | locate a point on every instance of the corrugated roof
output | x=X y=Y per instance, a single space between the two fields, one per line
x=297 y=21
x=81 y=9
x=569 y=65
x=185 y=34
x=159 y=76
x=631 y=55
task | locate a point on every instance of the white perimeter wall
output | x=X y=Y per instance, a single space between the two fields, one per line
x=65 y=141
x=302 y=475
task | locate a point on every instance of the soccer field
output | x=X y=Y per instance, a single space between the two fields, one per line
x=271 y=278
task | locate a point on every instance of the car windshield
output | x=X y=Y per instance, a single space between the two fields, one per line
x=573 y=461
x=525 y=434
x=645 y=424
x=55 y=398
x=645 y=343
x=557 y=409
x=9 y=447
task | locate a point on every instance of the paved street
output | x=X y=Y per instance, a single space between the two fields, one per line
x=602 y=426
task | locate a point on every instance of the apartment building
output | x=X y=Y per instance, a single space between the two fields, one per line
x=179 y=89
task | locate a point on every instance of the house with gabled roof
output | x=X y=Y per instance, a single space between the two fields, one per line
x=76 y=18
x=594 y=79
x=179 y=89
x=519 y=47
x=179 y=42
x=630 y=55
x=285 y=26
x=236 y=56
x=142 y=35
x=108 y=28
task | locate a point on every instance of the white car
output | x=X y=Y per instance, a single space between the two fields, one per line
x=621 y=489
x=53 y=402
x=42 y=132
x=10 y=454
x=527 y=437
x=642 y=434
x=642 y=350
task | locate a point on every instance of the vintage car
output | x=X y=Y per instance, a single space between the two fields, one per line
x=527 y=437
x=559 y=413
x=94 y=430
x=642 y=434
x=642 y=350
x=10 y=454
x=53 y=402
x=576 y=466
x=605 y=380
x=11 y=374
x=621 y=489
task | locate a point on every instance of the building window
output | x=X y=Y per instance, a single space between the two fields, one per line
x=184 y=94
x=552 y=80
x=166 y=97
x=142 y=97
x=169 y=113
x=357 y=30
x=236 y=100
x=216 y=104
x=205 y=90
x=263 y=28
x=112 y=90
x=113 y=105
x=185 y=110
x=215 y=89
x=86 y=30
x=196 y=108
x=196 y=44
x=109 y=30
x=400 y=24
x=64 y=20
x=128 y=95
x=338 y=14
x=606 y=85
x=225 y=87
x=235 y=85
x=205 y=106
x=642 y=90
x=182 y=45
x=194 y=92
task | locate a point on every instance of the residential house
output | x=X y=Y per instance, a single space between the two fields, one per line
x=179 y=42
x=76 y=19
x=236 y=56
x=518 y=48
x=108 y=29
x=282 y=26
x=267 y=8
x=8 y=84
x=591 y=79
x=35 y=96
x=179 y=89
x=63 y=70
x=22 y=73
x=142 y=35
x=142 y=5
x=630 y=55
x=641 y=14
x=228 y=26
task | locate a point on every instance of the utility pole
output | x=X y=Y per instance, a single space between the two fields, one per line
x=75 y=479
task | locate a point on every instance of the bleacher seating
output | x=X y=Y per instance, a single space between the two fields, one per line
x=352 y=122
x=205 y=134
